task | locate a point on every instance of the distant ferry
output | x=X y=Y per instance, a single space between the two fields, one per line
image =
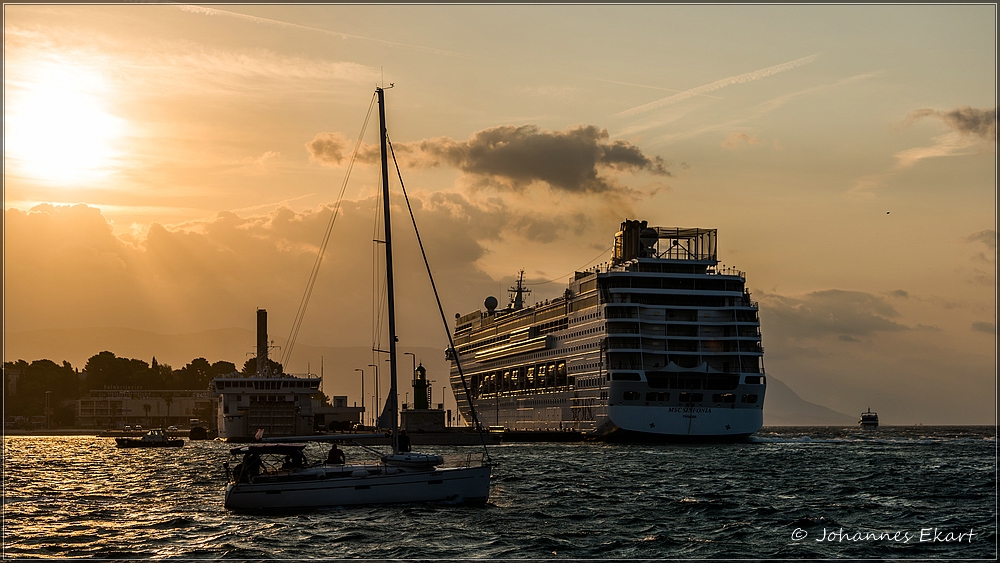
x=869 y=420
x=658 y=344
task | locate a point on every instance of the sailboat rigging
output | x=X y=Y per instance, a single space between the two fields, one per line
x=258 y=481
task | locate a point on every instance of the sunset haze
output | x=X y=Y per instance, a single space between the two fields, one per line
x=170 y=168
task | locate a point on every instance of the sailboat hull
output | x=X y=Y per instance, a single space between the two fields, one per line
x=460 y=485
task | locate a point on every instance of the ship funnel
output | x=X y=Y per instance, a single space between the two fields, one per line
x=262 y=363
x=627 y=241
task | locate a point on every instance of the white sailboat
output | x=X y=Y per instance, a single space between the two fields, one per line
x=277 y=475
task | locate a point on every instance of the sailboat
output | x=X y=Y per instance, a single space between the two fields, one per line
x=278 y=475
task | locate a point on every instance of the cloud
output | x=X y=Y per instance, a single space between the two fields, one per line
x=988 y=328
x=735 y=140
x=969 y=127
x=987 y=237
x=328 y=148
x=831 y=312
x=951 y=144
x=511 y=157
x=981 y=123
x=261 y=161
x=902 y=294
x=980 y=274
x=738 y=79
x=65 y=266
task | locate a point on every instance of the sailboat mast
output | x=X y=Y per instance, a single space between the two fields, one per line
x=394 y=408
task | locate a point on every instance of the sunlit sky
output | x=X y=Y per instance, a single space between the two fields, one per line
x=170 y=168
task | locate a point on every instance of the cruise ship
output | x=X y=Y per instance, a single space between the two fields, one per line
x=660 y=343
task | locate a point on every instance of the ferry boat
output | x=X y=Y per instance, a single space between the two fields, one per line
x=279 y=403
x=869 y=420
x=660 y=343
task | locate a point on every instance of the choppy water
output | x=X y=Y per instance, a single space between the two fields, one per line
x=774 y=496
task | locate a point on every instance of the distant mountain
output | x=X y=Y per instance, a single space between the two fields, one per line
x=782 y=407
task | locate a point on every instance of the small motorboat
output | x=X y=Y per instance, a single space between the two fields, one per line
x=869 y=420
x=156 y=438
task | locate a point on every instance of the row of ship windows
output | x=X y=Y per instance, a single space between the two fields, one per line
x=272 y=398
x=581 y=333
x=251 y=384
x=687 y=314
x=677 y=300
x=560 y=351
x=586 y=317
x=689 y=397
x=691 y=284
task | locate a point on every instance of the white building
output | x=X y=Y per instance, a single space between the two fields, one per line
x=116 y=408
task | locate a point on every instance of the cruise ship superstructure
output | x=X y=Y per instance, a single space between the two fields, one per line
x=660 y=343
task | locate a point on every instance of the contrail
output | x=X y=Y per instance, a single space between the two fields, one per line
x=256 y=19
x=650 y=87
x=738 y=79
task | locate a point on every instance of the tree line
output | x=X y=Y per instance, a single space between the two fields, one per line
x=103 y=370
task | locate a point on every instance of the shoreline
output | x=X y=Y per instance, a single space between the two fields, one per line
x=98 y=432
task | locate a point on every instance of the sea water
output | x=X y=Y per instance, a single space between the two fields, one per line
x=900 y=492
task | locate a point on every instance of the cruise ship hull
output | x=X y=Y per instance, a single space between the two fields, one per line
x=645 y=423
x=662 y=343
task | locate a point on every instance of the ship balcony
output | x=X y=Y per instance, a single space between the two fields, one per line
x=690 y=347
x=673 y=332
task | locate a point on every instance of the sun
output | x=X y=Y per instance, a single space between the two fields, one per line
x=57 y=128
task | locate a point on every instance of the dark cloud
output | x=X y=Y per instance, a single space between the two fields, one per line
x=512 y=158
x=981 y=123
x=987 y=237
x=826 y=313
x=988 y=328
x=899 y=293
x=327 y=148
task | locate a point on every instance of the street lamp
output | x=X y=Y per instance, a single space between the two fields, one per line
x=377 y=396
x=362 y=395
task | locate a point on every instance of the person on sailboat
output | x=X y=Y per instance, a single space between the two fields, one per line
x=404 y=441
x=294 y=460
x=336 y=456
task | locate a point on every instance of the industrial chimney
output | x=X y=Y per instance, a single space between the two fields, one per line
x=263 y=367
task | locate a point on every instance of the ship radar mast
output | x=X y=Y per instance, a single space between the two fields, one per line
x=517 y=293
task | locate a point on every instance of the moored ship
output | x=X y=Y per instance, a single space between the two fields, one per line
x=278 y=403
x=658 y=344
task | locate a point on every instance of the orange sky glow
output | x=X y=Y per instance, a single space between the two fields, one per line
x=170 y=168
